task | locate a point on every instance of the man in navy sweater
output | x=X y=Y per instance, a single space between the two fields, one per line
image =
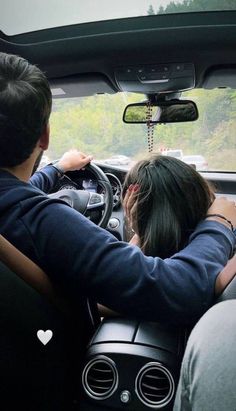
x=74 y=252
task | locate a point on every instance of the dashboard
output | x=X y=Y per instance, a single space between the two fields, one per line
x=85 y=180
x=223 y=183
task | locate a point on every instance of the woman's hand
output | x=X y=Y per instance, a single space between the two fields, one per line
x=130 y=205
x=226 y=208
x=74 y=160
x=135 y=240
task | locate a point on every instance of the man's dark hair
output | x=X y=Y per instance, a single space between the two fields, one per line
x=25 y=107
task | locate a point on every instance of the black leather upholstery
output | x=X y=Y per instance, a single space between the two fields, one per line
x=34 y=376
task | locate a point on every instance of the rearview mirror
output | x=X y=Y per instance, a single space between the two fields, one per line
x=173 y=111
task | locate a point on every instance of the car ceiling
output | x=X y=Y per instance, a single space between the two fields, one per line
x=88 y=55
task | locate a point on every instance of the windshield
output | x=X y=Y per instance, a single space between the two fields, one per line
x=45 y=14
x=94 y=125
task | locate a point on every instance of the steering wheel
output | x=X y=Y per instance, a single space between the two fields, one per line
x=83 y=200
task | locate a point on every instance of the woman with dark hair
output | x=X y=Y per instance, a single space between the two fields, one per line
x=164 y=200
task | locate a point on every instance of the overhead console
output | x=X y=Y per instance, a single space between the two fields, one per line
x=156 y=78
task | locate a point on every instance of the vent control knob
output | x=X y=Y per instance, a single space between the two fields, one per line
x=125 y=396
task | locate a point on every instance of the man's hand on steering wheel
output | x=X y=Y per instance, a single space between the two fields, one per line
x=74 y=160
x=85 y=201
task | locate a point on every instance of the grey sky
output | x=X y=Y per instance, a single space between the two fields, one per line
x=19 y=16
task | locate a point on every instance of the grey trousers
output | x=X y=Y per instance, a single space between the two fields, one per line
x=208 y=373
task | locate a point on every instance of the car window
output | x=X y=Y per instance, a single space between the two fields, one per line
x=63 y=12
x=94 y=125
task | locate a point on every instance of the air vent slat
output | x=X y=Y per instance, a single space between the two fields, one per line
x=101 y=388
x=154 y=396
x=151 y=387
x=102 y=370
x=97 y=380
x=100 y=378
x=155 y=377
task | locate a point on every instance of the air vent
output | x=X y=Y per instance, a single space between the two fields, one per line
x=154 y=385
x=100 y=378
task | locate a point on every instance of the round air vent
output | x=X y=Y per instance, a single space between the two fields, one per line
x=100 y=378
x=154 y=385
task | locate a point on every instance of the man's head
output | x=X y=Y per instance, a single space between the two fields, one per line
x=25 y=107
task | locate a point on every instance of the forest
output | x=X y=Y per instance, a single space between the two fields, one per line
x=192 y=6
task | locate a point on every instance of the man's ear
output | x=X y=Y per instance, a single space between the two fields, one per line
x=44 y=139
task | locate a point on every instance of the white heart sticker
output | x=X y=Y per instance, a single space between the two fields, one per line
x=44 y=336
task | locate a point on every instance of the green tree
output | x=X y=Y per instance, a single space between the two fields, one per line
x=197 y=5
x=150 y=11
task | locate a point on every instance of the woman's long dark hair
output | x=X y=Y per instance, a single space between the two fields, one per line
x=172 y=199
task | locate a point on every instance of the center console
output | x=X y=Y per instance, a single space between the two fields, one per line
x=133 y=366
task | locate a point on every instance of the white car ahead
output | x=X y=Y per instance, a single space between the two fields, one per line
x=198 y=161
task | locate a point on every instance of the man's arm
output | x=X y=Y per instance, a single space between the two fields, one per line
x=88 y=260
x=48 y=176
x=45 y=179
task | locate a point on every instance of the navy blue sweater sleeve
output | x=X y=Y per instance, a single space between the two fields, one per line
x=90 y=261
x=45 y=179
